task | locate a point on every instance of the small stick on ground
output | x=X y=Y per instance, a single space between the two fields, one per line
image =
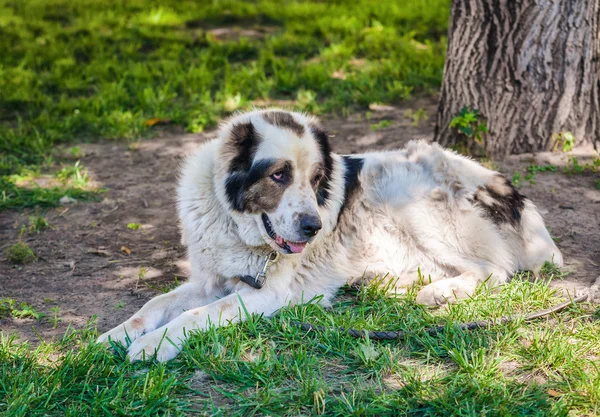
x=400 y=335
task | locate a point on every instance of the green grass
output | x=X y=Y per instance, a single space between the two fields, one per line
x=381 y=125
x=534 y=169
x=269 y=367
x=20 y=253
x=9 y=308
x=73 y=71
x=36 y=225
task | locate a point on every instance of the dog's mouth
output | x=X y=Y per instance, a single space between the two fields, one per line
x=286 y=245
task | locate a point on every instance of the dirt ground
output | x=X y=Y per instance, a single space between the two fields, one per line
x=83 y=269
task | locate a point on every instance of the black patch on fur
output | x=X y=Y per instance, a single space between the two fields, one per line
x=283 y=120
x=238 y=182
x=323 y=141
x=353 y=166
x=505 y=208
x=244 y=137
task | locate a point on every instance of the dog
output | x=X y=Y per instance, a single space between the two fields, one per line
x=272 y=217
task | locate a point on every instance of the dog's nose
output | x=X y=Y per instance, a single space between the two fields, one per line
x=310 y=224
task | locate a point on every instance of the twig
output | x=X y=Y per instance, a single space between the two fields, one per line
x=391 y=335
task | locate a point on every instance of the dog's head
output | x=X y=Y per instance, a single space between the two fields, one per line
x=273 y=173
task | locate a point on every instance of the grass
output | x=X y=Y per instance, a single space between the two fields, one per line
x=269 y=367
x=30 y=187
x=9 y=308
x=573 y=167
x=37 y=224
x=381 y=125
x=133 y=226
x=534 y=169
x=73 y=72
x=20 y=253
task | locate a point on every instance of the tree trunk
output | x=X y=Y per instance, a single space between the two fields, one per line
x=529 y=66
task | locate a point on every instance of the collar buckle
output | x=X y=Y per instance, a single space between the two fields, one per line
x=259 y=281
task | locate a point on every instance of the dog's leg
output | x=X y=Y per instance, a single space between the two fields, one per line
x=447 y=290
x=167 y=340
x=457 y=288
x=160 y=310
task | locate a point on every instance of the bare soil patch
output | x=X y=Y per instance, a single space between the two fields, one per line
x=83 y=269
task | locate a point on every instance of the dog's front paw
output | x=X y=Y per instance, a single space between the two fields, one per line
x=157 y=344
x=124 y=333
x=445 y=291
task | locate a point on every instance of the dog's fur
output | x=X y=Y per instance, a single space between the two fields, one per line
x=380 y=213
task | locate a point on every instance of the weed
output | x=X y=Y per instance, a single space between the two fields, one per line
x=517 y=180
x=417 y=116
x=36 y=225
x=468 y=124
x=574 y=167
x=533 y=169
x=75 y=175
x=550 y=271
x=8 y=307
x=142 y=271
x=120 y=305
x=20 y=253
x=381 y=125
x=133 y=226
x=55 y=320
x=566 y=141
x=26 y=311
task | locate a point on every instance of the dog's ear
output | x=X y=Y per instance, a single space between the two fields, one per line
x=322 y=139
x=243 y=141
x=241 y=147
x=242 y=132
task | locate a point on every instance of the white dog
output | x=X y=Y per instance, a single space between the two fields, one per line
x=271 y=217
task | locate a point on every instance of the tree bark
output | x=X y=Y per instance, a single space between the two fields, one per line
x=529 y=66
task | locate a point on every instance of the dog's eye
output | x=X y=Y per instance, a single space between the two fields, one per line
x=279 y=176
x=317 y=179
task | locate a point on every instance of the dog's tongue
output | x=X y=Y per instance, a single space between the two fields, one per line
x=296 y=247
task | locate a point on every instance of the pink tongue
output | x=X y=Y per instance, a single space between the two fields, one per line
x=296 y=247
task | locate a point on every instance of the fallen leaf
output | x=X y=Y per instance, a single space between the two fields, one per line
x=554 y=393
x=156 y=121
x=380 y=107
x=126 y=250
